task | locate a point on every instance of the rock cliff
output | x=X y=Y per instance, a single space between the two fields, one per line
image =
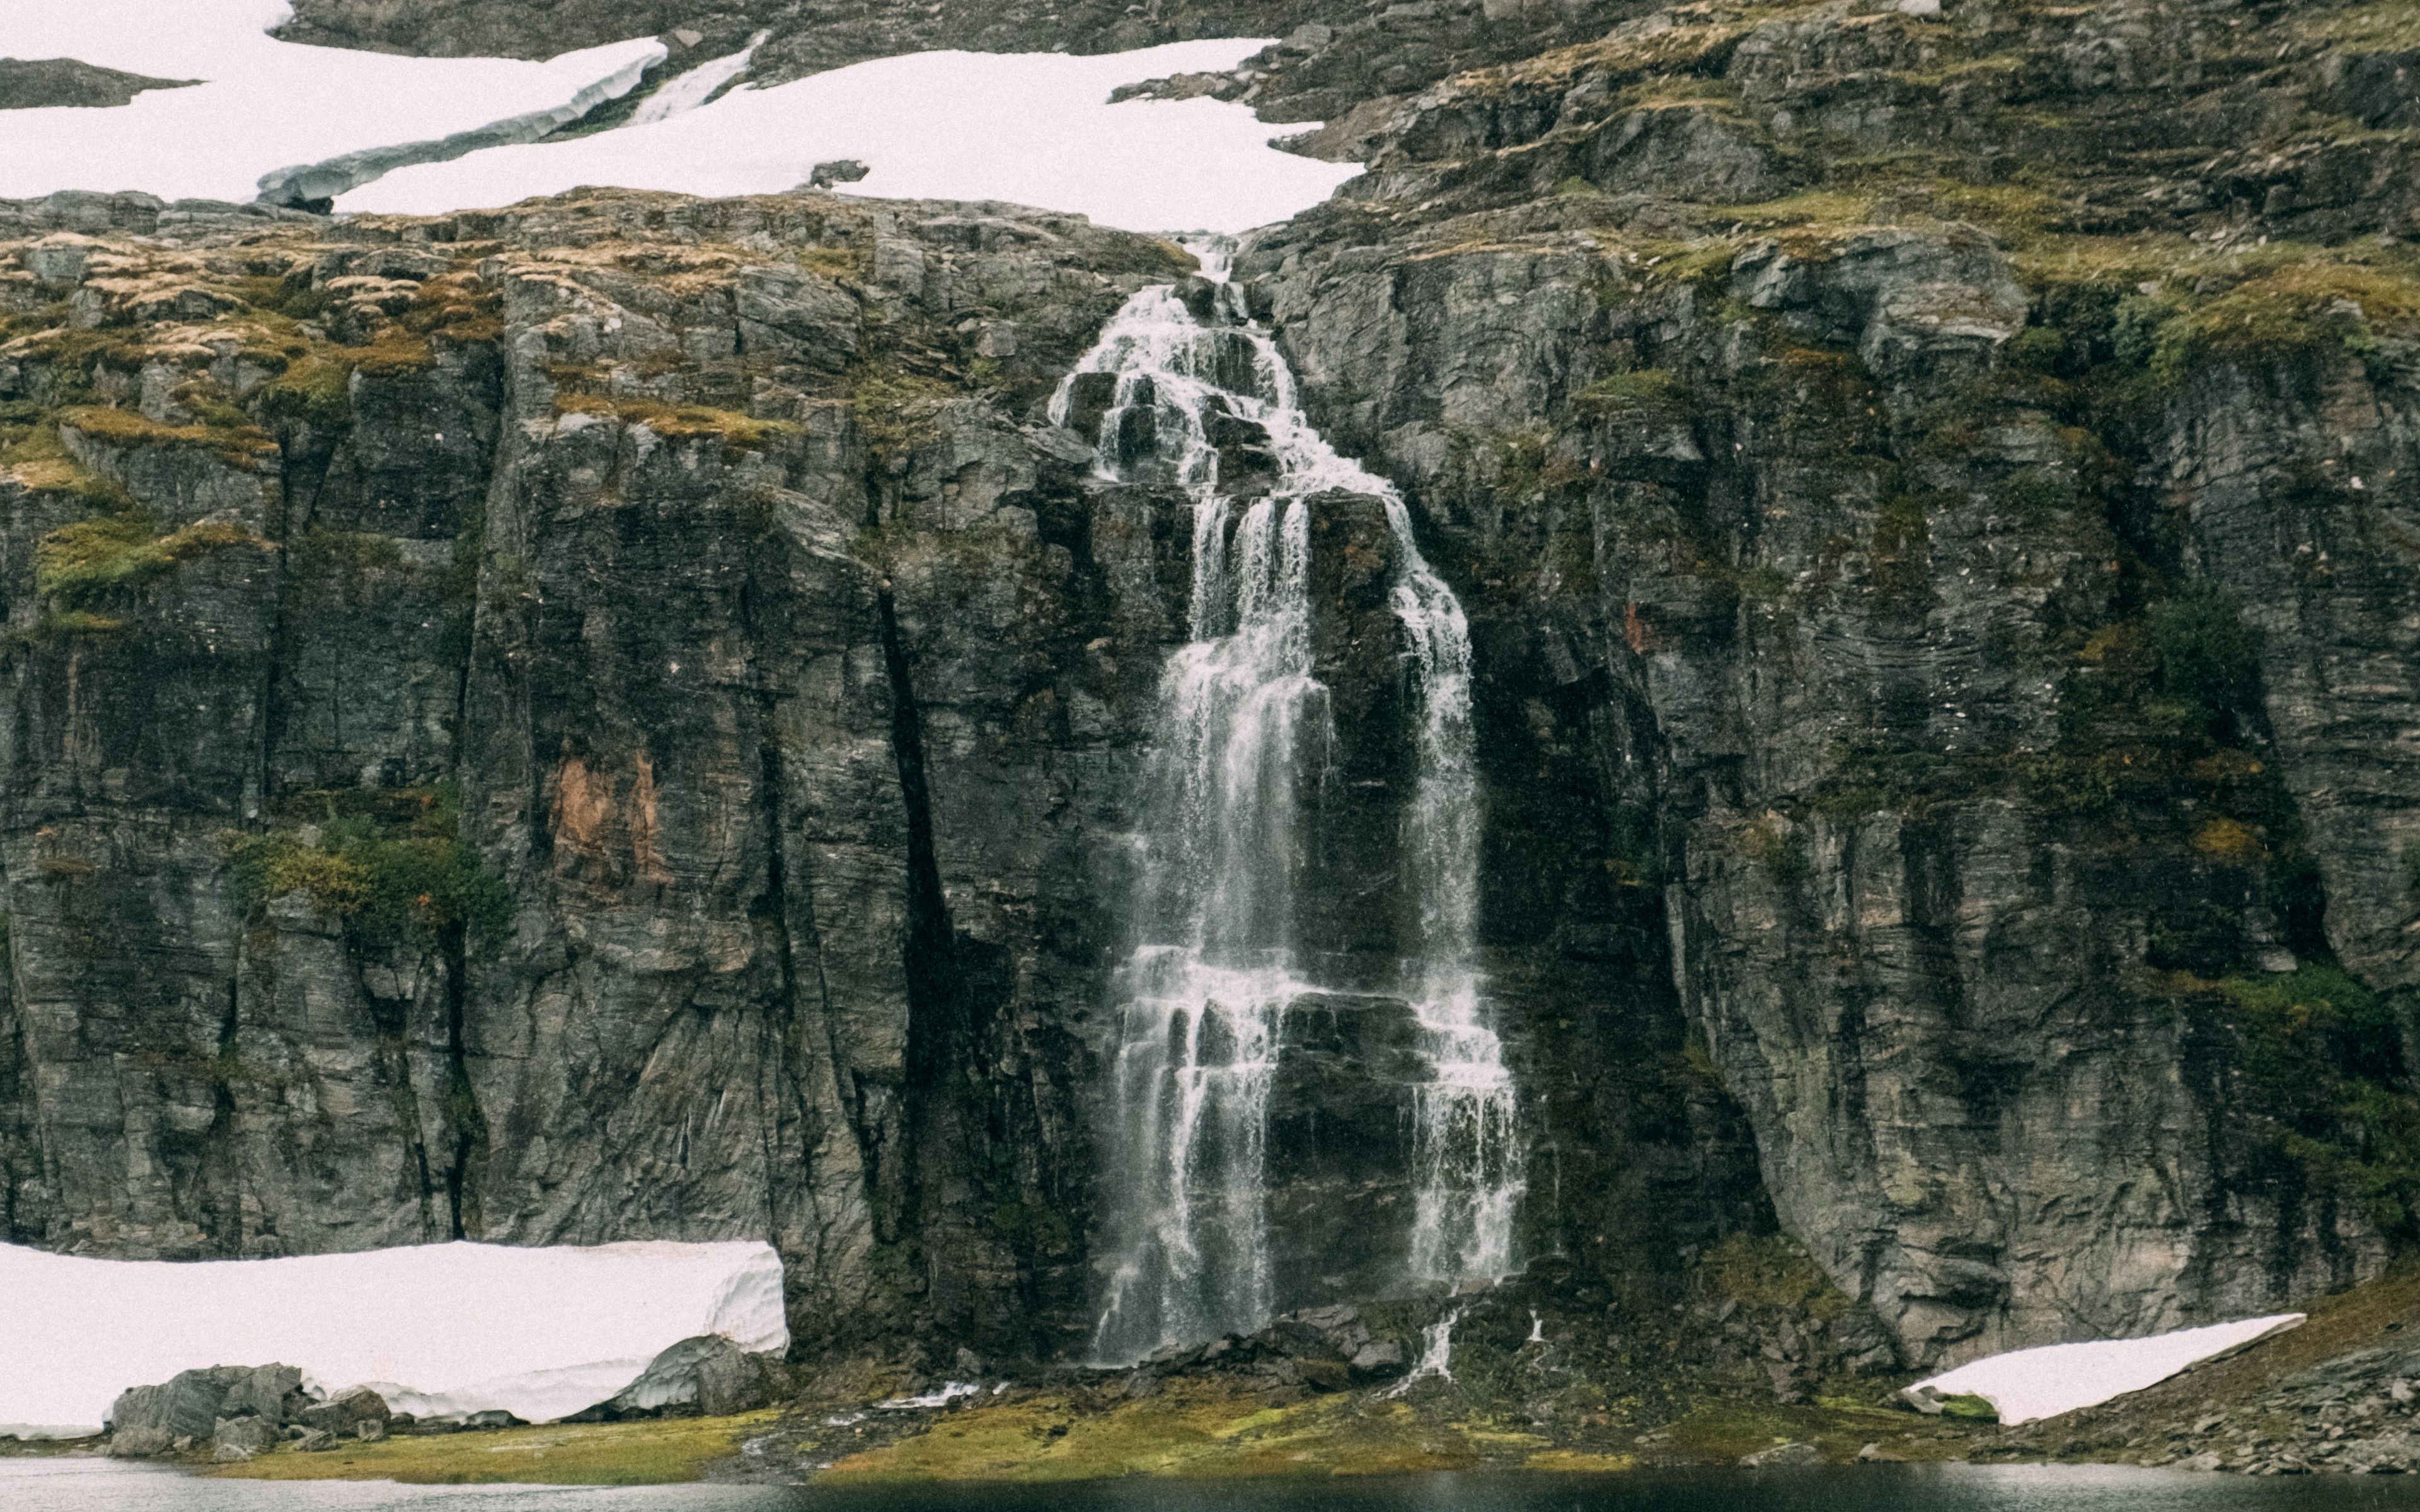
x=619 y=717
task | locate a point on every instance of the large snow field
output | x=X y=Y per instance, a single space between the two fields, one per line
x=439 y=1329
x=2026 y=1384
x=263 y=105
x=1033 y=128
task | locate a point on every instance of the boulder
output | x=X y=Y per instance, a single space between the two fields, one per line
x=197 y=1405
x=272 y=1392
x=707 y=1375
x=344 y=1415
x=1783 y=1457
x=248 y=1433
x=58 y=261
x=138 y=1443
x=186 y=1406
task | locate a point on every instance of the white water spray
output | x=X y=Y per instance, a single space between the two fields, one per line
x=1243 y=721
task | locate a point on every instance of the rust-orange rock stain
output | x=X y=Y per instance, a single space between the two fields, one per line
x=592 y=820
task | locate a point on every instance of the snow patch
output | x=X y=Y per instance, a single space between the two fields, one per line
x=439 y=1329
x=2027 y=1384
x=1032 y=129
x=263 y=105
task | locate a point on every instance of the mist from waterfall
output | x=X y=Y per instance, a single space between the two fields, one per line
x=1242 y=723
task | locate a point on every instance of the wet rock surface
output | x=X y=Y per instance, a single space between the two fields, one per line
x=619 y=717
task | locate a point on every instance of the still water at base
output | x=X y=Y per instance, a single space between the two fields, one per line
x=101 y=1485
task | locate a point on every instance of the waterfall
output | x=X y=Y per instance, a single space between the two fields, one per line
x=1436 y=1355
x=680 y=96
x=1242 y=719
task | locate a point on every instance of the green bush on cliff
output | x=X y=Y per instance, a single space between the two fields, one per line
x=2321 y=1055
x=2209 y=659
x=391 y=866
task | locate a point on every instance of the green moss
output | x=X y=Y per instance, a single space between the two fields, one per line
x=77 y=563
x=1189 y=1427
x=1770 y=1270
x=1969 y=1408
x=896 y=412
x=315 y=391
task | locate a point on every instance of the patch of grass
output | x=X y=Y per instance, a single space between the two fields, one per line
x=895 y=410
x=77 y=563
x=317 y=392
x=1650 y=389
x=238 y=445
x=39 y=461
x=1720 y=1432
x=835 y=262
x=1192 y=1428
x=737 y=432
x=1771 y=1271
x=1579 y=1462
x=660 y=1452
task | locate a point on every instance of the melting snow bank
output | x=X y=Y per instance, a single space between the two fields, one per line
x=2026 y=1384
x=314 y=182
x=1032 y=129
x=264 y=105
x=439 y=1329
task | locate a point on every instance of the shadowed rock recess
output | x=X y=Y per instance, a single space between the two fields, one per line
x=622 y=718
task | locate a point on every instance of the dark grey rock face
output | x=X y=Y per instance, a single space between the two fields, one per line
x=40 y=84
x=630 y=728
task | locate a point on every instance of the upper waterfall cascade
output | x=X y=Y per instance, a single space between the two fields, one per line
x=1242 y=720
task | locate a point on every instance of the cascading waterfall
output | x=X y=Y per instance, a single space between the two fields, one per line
x=1241 y=719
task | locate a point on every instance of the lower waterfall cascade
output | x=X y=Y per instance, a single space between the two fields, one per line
x=1242 y=718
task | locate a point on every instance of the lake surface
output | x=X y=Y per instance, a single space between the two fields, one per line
x=101 y=1485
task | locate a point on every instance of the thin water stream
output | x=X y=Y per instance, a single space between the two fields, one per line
x=1243 y=730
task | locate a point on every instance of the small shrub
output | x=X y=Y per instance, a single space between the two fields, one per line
x=1642 y=388
x=2209 y=661
x=2229 y=842
x=1779 y=849
x=389 y=866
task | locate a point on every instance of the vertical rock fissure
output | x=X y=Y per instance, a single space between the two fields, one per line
x=466 y=1126
x=1179 y=381
x=222 y=1167
x=936 y=1009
